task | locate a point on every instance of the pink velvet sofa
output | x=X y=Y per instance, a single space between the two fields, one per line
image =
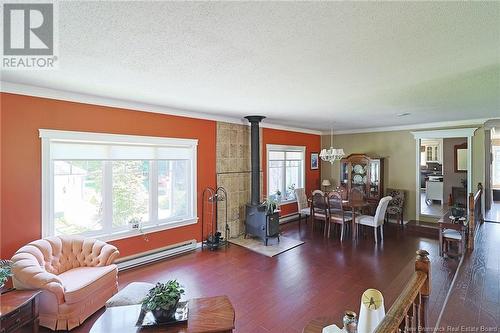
x=77 y=276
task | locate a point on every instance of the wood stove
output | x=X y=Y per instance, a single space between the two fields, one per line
x=258 y=222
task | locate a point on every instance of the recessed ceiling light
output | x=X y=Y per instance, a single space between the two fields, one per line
x=404 y=114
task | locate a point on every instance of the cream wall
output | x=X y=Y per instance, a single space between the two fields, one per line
x=398 y=149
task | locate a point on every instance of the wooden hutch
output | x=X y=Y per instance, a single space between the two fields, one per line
x=365 y=173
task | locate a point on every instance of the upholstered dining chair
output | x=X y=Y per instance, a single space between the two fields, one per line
x=377 y=220
x=336 y=212
x=319 y=209
x=302 y=206
x=396 y=205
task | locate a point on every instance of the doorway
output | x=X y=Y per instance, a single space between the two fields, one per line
x=492 y=213
x=444 y=170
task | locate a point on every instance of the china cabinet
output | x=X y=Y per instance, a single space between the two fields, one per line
x=365 y=173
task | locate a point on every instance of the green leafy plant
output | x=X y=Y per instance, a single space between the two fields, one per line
x=271 y=204
x=5 y=271
x=163 y=296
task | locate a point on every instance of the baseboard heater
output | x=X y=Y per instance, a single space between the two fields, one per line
x=148 y=257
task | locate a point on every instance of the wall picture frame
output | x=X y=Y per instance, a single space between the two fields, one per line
x=314 y=161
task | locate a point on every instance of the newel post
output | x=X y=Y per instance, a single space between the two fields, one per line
x=423 y=264
x=472 y=222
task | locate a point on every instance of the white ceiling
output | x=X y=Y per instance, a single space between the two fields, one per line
x=303 y=64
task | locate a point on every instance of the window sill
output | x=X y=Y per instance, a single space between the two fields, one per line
x=147 y=230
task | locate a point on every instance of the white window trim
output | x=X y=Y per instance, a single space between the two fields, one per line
x=274 y=147
x=47 y=170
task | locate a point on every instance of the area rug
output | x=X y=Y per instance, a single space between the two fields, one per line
x=272 y=249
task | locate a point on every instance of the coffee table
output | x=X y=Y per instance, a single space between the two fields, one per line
x=211 y=314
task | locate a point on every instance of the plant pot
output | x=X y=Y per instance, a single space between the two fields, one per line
x=165 y=315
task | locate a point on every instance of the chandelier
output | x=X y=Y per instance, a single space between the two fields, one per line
x=331 y=154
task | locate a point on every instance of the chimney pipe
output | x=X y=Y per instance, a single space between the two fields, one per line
x=255 y=158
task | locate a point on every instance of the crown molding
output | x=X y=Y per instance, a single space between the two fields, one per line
x=423 y=126
x=35 y=91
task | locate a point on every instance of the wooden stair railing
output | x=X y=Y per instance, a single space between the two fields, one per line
x=475 y=215
x=408 y=314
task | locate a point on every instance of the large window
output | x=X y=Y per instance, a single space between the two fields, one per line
x=95 y=184
x=285 y=170
x=496 y=166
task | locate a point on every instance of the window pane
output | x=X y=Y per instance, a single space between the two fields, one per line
x=496 y=165
x=173 y=189
x=276 y=170
x=293 y=155
x=276 y=155
x=130 y=191
x=77 y=196
x=293 y=176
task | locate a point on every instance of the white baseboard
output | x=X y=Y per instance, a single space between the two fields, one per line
x=156 y=254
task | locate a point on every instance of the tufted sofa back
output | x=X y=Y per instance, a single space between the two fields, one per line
x=62 y=253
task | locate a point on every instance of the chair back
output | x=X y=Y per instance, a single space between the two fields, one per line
x=319 y=204
x=343 y=192
x=300 y=196
x=398 y=197
x=356 y=194
x=381 y=208
x=334 y=201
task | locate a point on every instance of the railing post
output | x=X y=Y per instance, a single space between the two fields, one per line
x=472 y=222
x=423 y=264
x=480 y=190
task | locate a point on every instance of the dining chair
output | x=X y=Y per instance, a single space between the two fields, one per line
x=451 y=233
x=336 y=212
x=396 y=205
x=319 y=208
x=377 y=220
x=302 y=206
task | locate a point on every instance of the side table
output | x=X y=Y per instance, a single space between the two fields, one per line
x=19 y=310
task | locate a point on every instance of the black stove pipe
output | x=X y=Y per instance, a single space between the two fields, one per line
x=255 y=158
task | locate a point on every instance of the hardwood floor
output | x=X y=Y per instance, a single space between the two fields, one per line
x=475 y=297
x=323 y=277
x=493 y=215
x=433 y=209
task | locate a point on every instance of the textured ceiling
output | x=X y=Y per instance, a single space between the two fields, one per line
x=303 y=64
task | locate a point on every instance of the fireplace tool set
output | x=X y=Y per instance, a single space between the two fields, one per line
x=211 y=235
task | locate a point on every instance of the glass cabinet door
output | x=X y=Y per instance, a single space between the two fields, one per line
x=359 y=175
x=344 y=173
x=374 y=178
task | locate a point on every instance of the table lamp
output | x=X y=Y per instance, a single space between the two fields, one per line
x=325 y=184
x=371 y=312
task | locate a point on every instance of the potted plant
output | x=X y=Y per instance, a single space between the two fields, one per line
x=135 y=223
x=162 y=300
x=5 y=271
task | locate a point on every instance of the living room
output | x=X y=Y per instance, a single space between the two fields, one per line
x=222 y=145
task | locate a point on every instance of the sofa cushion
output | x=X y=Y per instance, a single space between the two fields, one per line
x=81 y=282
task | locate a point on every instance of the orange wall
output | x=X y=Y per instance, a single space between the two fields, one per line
x=312 y=143
x=22 y=116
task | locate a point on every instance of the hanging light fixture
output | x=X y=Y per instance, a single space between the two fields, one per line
x=331 y=154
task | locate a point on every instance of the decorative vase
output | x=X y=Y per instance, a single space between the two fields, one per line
x=165 y=315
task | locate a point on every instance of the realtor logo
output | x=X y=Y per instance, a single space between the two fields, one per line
x=28 y=36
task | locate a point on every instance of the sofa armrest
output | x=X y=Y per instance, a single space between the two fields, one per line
x=100 y=253
x=108 y=254
x=28 y=274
